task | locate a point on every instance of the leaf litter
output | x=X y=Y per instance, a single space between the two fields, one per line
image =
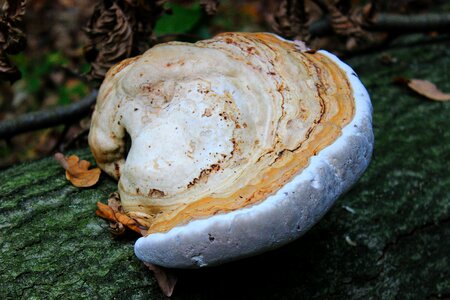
x=424 y=88
x=118 y=222
x=77 y=171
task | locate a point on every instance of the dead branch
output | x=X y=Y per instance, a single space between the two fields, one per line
x=343 y=27
x=47 y=118
x=410 y=23
x=393 y=23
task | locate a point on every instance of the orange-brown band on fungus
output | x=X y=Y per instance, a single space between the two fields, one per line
x=337 y=110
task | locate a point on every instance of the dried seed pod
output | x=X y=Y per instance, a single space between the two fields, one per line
x=240 y=144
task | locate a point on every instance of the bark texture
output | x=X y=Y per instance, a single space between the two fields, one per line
x=386 y=238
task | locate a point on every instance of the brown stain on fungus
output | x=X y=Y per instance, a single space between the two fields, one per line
x=207 y=113
x=154 y=193
x=203 y=176
x=117 y=170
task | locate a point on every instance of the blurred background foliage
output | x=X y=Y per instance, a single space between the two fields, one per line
x=183 y=19
x=53 y=65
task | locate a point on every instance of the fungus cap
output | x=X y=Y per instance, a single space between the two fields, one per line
x=240 y=144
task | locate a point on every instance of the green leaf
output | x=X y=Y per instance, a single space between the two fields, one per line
x=182 y=20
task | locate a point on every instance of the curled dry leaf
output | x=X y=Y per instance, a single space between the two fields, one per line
x=288 y=17
x=77 y=171
x=166 y=279
x=114 y=202
x=106 y=212
x=115 y=214
x=118 y=30
x=12 y=38
x=118 y=221
x=427 y=89
x=210 y=6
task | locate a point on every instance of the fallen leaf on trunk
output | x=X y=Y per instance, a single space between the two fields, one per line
x=166 y=279
x=424 y=88
x=114 y=202
x=108 y=213
x=428 y=89
x=77 y=171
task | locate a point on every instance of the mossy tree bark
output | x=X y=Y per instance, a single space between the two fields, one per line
x=388 y=237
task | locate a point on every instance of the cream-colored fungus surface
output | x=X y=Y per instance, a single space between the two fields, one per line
x=215 y=126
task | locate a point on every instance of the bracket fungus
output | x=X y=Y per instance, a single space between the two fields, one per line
x=239 y=144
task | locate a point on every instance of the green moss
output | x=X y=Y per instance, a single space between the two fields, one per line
x=53 y=245
x=387 y=238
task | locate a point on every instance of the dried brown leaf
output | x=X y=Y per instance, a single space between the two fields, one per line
x=287 y=17
x=428 y=89
x=106 y=212
x=210 y=6
x=111 y=36
x=77 y=171
x=8 y=71
x=166 y=279
x=12 y=38
x=114 y=213
x=118 y=30
x=114 y=202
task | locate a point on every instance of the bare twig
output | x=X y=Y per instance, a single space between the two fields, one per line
x=59 y=157
x=345 y=27
x=392 y=23
x=47 y=118
x=410 y=23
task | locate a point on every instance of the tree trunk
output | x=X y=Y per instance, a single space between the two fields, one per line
x=389 y=237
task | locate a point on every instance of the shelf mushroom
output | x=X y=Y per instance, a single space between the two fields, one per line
x=239 y=144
